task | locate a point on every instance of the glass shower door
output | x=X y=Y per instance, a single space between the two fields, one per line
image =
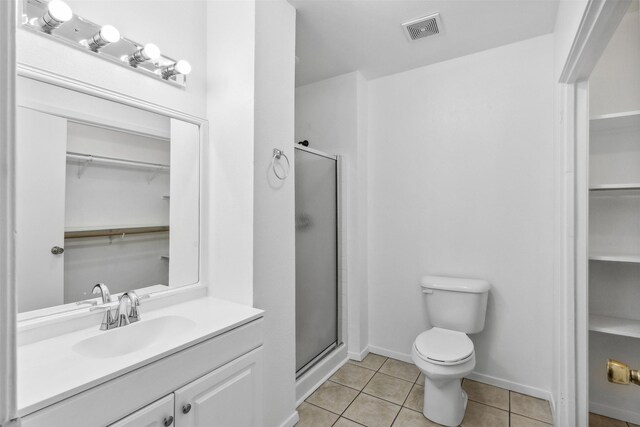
x=316 y=257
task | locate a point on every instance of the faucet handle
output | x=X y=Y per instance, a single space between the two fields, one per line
x=134 y=313
x=123 y=310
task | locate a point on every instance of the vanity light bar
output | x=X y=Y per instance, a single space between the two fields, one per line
x=55 y=19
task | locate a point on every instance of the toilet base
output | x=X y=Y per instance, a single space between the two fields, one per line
x=444 y=401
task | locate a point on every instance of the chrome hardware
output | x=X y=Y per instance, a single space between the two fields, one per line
x=57 y=250
x=126 y=313
x=108 y=322
x=168 y=421
x=123 y=310
x=134 y=313
x=186 y=408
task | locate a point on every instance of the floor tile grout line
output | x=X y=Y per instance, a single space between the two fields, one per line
x=324 y=409
x=382 y=398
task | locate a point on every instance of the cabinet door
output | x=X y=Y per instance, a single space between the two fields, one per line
x=40 y=181
x=230 y=396
x=158 y=414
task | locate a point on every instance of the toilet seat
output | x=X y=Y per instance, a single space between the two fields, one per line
x=443 y=346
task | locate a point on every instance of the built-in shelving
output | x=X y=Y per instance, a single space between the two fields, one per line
x=615 y=258
x=614 y=325
x=116 y=231
x=609 y=187
x=615 y=121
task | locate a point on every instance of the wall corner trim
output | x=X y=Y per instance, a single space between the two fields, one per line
x=600 y=20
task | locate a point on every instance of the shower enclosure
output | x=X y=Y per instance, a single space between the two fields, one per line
x=317 y=257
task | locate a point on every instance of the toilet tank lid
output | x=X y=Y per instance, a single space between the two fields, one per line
x=455 y=284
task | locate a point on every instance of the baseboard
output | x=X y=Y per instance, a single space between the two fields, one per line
x=510 y=385
x=292 y=420
x=390 y=353
x=320 y=373
x=611 y=412
x=358 y=356
x=487 y=379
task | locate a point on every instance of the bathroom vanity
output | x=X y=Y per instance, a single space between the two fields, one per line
x=183 y=364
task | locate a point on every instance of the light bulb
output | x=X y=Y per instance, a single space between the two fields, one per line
x=181 y=67
x=150 y=52
x=107 y=34
x=58 y=12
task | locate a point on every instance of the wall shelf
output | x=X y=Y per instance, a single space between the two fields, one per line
x=617 y=121
x=109 y=232
x=615 y=258
x=609 y=187
x=614 y=325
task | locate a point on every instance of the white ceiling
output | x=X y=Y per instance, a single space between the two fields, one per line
x=340 y=36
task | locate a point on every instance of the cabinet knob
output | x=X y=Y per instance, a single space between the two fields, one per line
x=57 y=250
x=168 y=421
x=186 y=408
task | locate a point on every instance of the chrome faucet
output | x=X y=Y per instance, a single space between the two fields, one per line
x=128 y=308
x=108 y=322
x=126 y=313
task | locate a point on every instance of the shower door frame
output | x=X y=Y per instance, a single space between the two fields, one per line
x=339 y=251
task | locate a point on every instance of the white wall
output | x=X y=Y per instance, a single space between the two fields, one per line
x=230 y=111
x=273 y=220
x=331 y=115
x=461 y=183
x=177 y=27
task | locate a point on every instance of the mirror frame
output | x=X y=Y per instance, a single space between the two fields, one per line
x=26 y=71
x=7 y=219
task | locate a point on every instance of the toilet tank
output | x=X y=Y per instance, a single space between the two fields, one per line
x=455 y=303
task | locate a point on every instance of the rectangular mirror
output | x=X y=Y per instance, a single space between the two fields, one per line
x=107 y=193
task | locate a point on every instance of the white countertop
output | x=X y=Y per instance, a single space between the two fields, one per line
x=50 y=370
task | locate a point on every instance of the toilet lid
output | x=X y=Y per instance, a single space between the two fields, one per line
x=444 y=346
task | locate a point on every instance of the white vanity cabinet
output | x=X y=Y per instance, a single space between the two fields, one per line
x=158 y=414
x=229 y=396
x=215 y=381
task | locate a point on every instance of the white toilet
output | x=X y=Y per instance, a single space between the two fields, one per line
x=444 y=353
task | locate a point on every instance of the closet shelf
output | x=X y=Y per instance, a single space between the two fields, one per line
x=120 y=231
x=615 y=258
x=615 y=121
x=614 y=325
x=608 y=187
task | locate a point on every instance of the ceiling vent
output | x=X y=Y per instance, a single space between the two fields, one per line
x=423 y=27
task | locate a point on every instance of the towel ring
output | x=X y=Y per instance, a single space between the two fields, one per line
x=277 y=154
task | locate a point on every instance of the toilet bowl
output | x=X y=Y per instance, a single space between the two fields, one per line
x=444 y=353
x=444 y=357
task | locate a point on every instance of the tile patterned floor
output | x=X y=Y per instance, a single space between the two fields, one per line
x=384 y=392
x=601 y=421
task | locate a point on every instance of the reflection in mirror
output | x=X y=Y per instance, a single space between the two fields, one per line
x=111 y=199
x=116 y=211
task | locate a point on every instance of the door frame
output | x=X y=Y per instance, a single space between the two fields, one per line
x=599 y=22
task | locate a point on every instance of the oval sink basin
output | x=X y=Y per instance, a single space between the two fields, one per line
x=131 y=338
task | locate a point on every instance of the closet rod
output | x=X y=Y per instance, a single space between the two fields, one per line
x=107 y=232
x=113 y=160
